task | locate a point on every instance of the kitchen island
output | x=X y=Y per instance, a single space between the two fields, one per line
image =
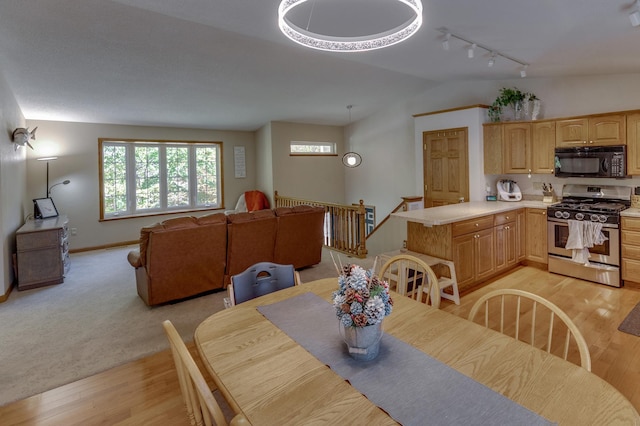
x=482 y=238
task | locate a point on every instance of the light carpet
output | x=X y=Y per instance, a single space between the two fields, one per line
x=94 y=321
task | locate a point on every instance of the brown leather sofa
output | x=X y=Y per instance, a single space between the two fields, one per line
x=186 y=256
x=180 y=257
x=300 y=236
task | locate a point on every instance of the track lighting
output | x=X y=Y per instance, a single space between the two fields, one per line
x=471 y=51
x=634 y=16
x=473 y=46
x=445 y=42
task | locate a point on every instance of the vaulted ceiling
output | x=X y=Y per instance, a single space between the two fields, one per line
x=224 y=64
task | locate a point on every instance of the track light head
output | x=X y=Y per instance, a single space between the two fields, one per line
x=492 y=60
x=634 y=17
x=523 y=71
x=445 y=42
x=471 y=51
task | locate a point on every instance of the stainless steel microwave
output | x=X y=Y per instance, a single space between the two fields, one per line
x=591 y=161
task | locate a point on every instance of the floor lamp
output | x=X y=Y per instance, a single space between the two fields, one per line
x=47 y=159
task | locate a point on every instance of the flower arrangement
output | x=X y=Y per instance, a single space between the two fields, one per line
x=362 y=298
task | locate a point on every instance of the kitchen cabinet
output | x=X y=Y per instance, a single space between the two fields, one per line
x=517 y=148
x=521 y=235
x=597 y=130
x=630 y=246
x=633 y=143
x=536 y=235
x=42 y=252
x=506 y=240
x=492 y=147
x=473 y=257
x=543 y=146
x=522 y=148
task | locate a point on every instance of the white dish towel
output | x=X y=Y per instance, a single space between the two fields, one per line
x=582 y=236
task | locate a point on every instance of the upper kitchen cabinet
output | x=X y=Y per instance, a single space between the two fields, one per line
x=492 y=147
x=633 y=143
x=544 y=143
x=517 y=148
x=523 y=147
x=597 y=130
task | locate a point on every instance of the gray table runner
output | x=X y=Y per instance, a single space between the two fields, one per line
x=412 y=387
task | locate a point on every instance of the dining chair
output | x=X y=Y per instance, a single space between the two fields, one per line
x=202 y=407
x=525 y=313
x=260 y=279
x=412 y=277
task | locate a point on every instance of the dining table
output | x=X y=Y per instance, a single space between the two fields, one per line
x=277 y=377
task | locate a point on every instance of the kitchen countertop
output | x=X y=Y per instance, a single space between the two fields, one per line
x=443 y=215
x=631 y=212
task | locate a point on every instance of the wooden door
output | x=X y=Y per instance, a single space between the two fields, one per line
x=492 y=148
x=445 y=167
x=544 y=143
x=521 y=235
x=463 y=258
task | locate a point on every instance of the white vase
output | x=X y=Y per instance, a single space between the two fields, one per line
x=363 y=343
x=536 y=109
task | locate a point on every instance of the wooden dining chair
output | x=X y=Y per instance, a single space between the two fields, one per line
x=202 y=407
x=260 y=279
x=412 y=277
x=509 y=323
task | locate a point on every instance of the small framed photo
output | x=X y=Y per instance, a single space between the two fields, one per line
x=44 y=208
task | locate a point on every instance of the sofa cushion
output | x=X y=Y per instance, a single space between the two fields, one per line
x=180 y=222
x=212 y=219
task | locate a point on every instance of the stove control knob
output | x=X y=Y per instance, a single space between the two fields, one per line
x=602 y=218
x=579 y=216
x=565 y=215
x=558 y=214
x=594 y=218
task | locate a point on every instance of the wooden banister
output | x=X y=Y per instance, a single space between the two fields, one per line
x=344 y=226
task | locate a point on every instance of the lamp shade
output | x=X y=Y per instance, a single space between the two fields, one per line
x=351 y=159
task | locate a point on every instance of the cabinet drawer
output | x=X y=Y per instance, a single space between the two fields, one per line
x=38 y=240
x=472 y=225
x=631 y=224
x=502 y=218
x=630 y=238
x=631 y=270
x=631 y=252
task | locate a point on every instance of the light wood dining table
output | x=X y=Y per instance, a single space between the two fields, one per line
x=268 y=377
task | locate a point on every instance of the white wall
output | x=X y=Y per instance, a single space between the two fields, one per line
x=13 y=182
x=76 y=146
x=318 y=178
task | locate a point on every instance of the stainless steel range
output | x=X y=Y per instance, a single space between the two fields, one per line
x=596 y=203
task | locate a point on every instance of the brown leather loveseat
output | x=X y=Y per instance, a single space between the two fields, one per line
x=186 y=256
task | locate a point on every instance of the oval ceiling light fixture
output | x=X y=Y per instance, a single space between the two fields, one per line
x=348 y=44
x=351 y=159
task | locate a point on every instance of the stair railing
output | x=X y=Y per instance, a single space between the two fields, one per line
x=344 y=226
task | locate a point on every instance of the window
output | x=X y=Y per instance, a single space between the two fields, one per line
x=152 y=177
x=312 y=148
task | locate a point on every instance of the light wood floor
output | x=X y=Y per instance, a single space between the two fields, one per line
x=146 y=392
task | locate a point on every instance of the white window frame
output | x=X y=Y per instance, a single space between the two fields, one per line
x=328 y=148
x=131 y=209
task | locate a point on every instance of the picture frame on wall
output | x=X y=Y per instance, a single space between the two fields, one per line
x=44 y=208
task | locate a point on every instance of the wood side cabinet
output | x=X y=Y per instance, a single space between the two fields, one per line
x=43 y=252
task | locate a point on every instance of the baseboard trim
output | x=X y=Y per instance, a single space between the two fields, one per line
x=5 y=296
x=104 y=246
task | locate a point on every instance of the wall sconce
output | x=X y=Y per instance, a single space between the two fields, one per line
x=21 y=136
x=351 y=159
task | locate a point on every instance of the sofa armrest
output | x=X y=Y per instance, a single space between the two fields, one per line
x=134 y=258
